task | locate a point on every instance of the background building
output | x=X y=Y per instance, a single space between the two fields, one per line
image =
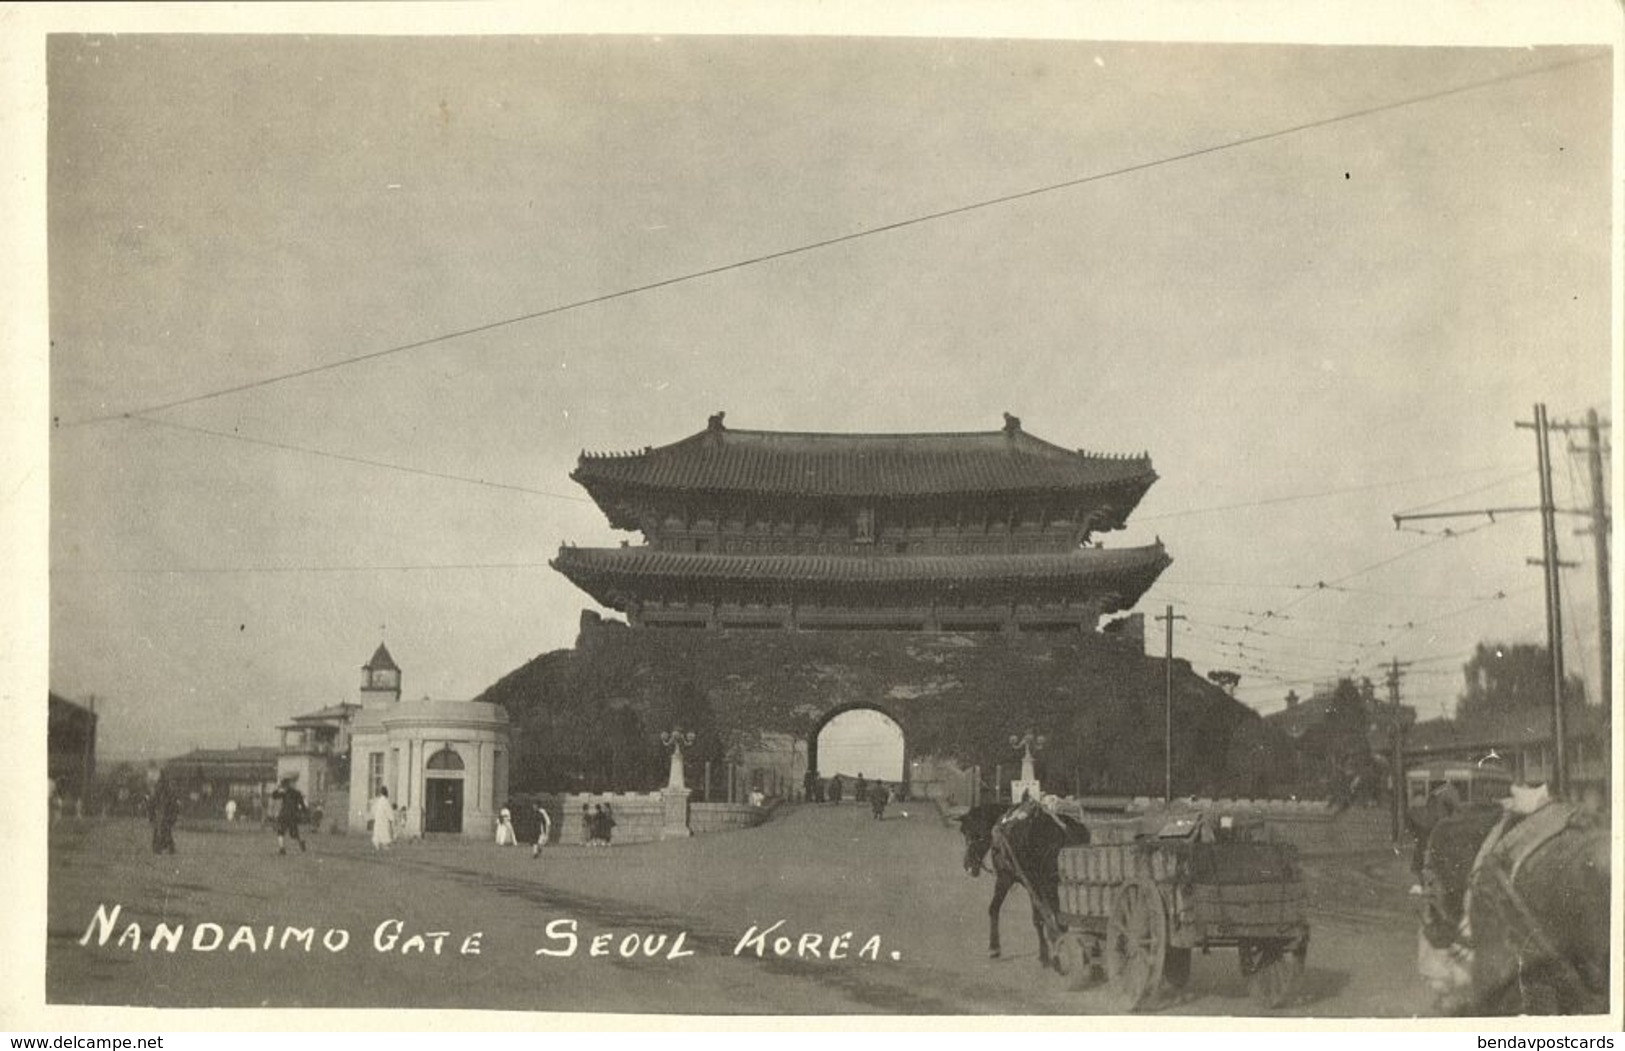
x=205 y=778
x=316 y=750
x=445 y=763
x=71 y=747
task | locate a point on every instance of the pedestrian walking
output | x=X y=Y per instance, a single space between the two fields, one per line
x=835 y=789
x=383 y=820
x=607 y=827
x=290 y=814
x=544 y=830
x=163 y=810
x=878 y=798
x=231 y=811
x=505 y=833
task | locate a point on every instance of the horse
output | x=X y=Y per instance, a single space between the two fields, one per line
x=1510 y=930
x=1025 y=843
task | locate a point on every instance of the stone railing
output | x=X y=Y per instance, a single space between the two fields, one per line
x=645 y=817
x=639 y=816
x=725 y=817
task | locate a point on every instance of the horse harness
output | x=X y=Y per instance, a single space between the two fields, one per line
x=1002 y=847
x=1505 y=850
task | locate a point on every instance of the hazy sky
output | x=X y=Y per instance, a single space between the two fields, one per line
x=1308 y=332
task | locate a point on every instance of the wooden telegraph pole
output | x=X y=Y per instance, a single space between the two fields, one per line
x=1396 y=732
x=1599 y=538
x=1168 y=710
x=1553 y=567
x=1554 y=608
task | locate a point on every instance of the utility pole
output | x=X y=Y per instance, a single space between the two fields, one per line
x=1554 y=608
x=1168 y=710
x=1396 y=736
x=1553 y=566
x=88 y=770
x=1599 y=537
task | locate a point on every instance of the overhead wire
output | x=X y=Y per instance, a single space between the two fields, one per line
x=364 y=461
x=1321 y=494
x=813 y=246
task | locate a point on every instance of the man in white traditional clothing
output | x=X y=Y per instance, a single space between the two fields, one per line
x=383 y=820
x=505 y=833
x=544 y=831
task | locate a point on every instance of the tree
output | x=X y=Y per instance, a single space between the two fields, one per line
x=1503 y=678
x=1337 y=746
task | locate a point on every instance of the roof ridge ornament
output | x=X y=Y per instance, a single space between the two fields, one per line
x=1012 y=424
x=715 y=422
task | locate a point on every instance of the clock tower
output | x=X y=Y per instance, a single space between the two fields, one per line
x=380 y=680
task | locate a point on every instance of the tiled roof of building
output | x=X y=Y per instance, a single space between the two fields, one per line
x=332 y=713
x=1507 y=729
x=719 y=459
x=1130 y=570
x=215 y=762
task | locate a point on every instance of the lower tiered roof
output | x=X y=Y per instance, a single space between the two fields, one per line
x=618 y=577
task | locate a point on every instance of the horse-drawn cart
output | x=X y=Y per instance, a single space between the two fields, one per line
x=1139 y=908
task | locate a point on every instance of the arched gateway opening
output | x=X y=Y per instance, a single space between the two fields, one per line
x=860 y=740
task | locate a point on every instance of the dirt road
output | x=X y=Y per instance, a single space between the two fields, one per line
x=861 y=917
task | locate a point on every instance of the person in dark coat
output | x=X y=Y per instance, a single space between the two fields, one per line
x=878 y=798
x=1443 y=802
x=163 y=810
x=860 y=791
x=290 y=815
x=835 y=789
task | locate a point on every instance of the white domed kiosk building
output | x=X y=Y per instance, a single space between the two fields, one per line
x=445 y=763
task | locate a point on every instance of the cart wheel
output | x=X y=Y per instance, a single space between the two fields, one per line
x=1071 y=954
x=1273 y=969
x=1136 y=941
x=1176 y=968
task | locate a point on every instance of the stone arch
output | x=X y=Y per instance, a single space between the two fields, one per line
x=890 y=760
x=446 y=760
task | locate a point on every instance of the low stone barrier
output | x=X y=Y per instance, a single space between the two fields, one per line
x=724 y=817
x=639 y=816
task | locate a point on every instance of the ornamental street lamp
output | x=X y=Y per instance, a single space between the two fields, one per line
x=675 y=739
x=1029 y=743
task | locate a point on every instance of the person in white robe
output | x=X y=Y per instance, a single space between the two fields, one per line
x=383 y=820
x=505 y=832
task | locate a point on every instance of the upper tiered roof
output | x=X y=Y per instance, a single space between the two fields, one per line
x=784 y=463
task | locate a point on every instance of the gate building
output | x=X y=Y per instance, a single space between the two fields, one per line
x=961 y=532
